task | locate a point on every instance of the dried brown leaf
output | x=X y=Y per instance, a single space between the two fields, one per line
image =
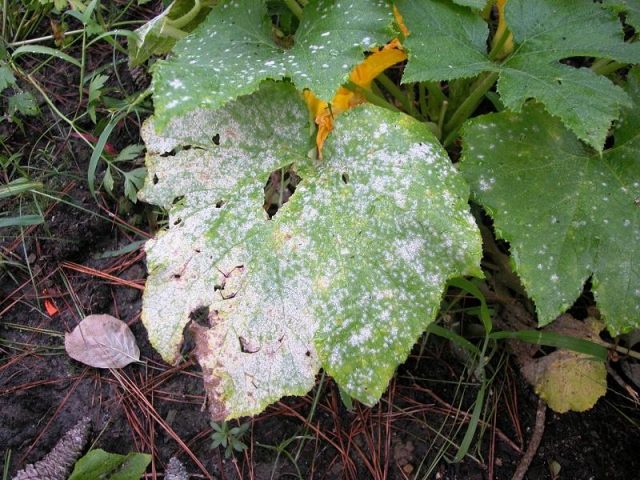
x=102 y=341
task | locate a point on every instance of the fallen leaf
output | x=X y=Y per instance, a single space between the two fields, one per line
x=568 y=380
x=102 y=341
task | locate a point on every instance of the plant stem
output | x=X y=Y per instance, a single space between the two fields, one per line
x=603 y=66
x=443 y=112
x=370 y=96
x=466 y=108
x=295 y=8
x=173 y=32
x=397 y=93
x=187 y=17
x=422 y=100
x=43 y=39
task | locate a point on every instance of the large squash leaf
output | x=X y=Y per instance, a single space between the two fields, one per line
x=449 y=41
x=345 y=276
x=568 y=212
x=233 y=50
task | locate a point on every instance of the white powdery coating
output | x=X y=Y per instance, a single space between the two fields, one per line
x=348 y=273
x=232 y=52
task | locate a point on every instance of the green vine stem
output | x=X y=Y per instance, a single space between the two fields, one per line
x=295 y=8
x=397 y=93
x=171 y=31
x=604 y=66
x=184 y=20
x=370 y=96
x=466 y=108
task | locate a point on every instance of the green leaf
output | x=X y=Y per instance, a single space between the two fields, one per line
x=569 y=214
x=100 y=464
x=128 y=153
x=347 y=274
x=133 y=181
x=6 y=77
x=233 y=51
x=52 y=52
x=21 y=221
x=95 y=87
x=449 y=42
x=23 y=103
x=107 y=182
x=154 y=38
x=630 y=8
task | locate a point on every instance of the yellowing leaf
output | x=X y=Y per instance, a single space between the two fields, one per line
x=568 y=380
x=364 y=73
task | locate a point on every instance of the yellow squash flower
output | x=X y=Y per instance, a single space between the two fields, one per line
x=344 y=99
x=362 y=75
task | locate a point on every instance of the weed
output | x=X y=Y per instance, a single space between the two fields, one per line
x=228 y=437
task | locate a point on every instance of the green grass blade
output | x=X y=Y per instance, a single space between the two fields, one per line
x=473 y=424
x=97 y=152
x=472 y=289
x=21 y=221
x=45 y=51
x=453 y=337
x=552 y=339
x=20 y=185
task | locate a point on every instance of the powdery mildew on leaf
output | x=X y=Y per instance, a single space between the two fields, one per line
x=345 y=276
x=391 y=227
x=233 y=50
x=218 y=252
x=450 y=42
x=569 y=214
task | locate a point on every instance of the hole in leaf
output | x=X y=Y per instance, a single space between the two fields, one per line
x=247 y=346
x=177 y=221
x=281 y=185
x=177 y=200
x=216 y=139
x=219 y=203
x=609 y=142
x=345 y=178
x=170 y=153
x=200 y=316
x=155 y=179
